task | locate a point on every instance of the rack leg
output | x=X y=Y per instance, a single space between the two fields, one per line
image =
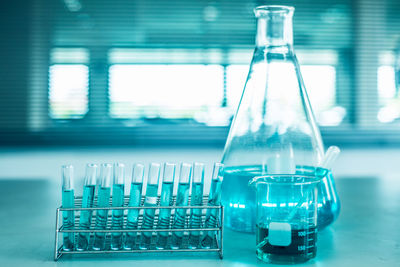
x=57 y=254
x=221 y=251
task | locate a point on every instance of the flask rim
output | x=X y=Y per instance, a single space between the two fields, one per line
x=265 y=10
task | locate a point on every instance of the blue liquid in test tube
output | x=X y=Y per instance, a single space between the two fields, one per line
x=150 y=201
x=134 y=201
x=103 y=201
x=196 y=200
x=85 y=220
x=182 y=199
x=166 y=199
x=68 y=202
x=213 y=200
x=118 y=201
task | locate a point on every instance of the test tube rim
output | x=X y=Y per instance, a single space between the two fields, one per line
x=91 y=180
x=198 y=170
x=170 y=177
x=135 y=171
x=119 y=173
x=185 y=178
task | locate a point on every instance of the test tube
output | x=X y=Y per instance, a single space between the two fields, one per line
x=150 y=200
x=196 y=200
x=85 y=220
x=118 y=201
x=182 y=199
x=103 y=201
x=213 y=200
x=134 y=201
x=68 y=202
x=164 y=216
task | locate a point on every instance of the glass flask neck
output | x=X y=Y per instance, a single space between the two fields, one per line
x=274 y=26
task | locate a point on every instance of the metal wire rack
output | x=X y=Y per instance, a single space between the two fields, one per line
x=217 y=245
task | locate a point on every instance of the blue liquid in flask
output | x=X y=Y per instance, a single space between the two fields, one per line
x=239 y=200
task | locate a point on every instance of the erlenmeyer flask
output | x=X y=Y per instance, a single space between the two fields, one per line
x=274 y=130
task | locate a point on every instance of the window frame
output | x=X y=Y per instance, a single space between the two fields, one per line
x=88 y=88
x=154 y=132
x=155 y=64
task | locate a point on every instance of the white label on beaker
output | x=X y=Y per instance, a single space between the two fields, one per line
x=279 y=234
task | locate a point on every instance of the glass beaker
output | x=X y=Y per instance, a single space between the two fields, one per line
x=286 y=219
x=274 y=130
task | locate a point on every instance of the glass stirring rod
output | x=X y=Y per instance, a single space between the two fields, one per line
x=134 y=201
x=118 y=201
x=103 y=201
x=68 y=202
x=85 y=220
x=182 y=199
x=213 y=200
x=329 y=158
x=166 y=199
x=150 y=201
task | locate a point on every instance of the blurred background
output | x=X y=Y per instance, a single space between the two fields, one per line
x=141 y=74
x=136 y=81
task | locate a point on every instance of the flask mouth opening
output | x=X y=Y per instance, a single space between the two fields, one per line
x=262 y=11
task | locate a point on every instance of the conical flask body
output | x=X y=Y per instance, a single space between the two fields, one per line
x=274 y=129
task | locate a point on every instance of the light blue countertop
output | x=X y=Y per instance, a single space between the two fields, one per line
x=366 y=233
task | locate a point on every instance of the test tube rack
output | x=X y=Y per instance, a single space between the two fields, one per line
x=60 y=229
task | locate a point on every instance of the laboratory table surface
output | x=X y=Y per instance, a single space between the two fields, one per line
x=367 y=232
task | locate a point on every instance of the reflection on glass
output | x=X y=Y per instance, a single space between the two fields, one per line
x=320 y=82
